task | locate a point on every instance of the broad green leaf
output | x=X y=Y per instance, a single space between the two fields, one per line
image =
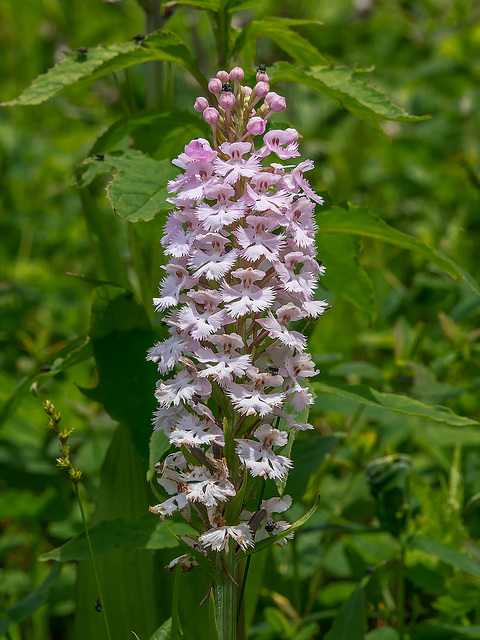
x=138 y=189
x=267 y=542
x=167 y=127
x=144 y=533
x=129 y=576
x=121 y=334
x=28 y=605
x=308 y=454
x=392 y=402
x=101 y=61
x=279 y=30
x=338 y=84
x=361 y=221
x=76 y=351
x=344 y=275
x=163 y=632
x=446 y=554
x=350 y=621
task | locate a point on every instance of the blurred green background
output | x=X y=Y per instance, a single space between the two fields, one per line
x=419 y=336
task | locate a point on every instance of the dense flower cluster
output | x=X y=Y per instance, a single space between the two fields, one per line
x=242 y=268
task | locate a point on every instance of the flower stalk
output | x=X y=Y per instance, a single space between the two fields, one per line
x=242 y=271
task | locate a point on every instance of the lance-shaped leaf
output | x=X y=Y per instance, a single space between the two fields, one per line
x=101 y=61
x=279 y=30
x=392 y=402
x=361 y=221
x=338 y=84
x=267 y=542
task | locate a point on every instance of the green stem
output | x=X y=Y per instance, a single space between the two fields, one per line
x=175 y=601
x=222 y=37
x=401 y=591
x=225 y=595
x=94 y=564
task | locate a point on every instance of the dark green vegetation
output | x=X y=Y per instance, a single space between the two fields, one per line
x=392 y=551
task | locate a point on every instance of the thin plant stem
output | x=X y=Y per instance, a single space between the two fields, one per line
x=175 y=601
x=94 y=564
x=247 y=564
x=401 y=590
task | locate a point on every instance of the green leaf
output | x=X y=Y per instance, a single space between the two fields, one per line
x=139 y=188
x=267 y=542
x=101 y=61
x=159 y=444
x=301 y=50
x=240 y=5
x=31 y=603
x=350 y=622
x=308 y=454
x=441 y=631
x=121 y=334
x=145 y=532
x=337 y=83
x=344 y=276
x=446 y=554
x=384 y=633
x=361 y=221
x=210 y=5
x=392 y=402
x=163 y=632
x=165 y=126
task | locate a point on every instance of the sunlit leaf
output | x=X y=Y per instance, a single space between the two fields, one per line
x=344 y=276
x=163 y=632
x=279 y=30
x=392 y=402
x=446 y=554
x=101 y=61
x=338 y=84
x=361 y=221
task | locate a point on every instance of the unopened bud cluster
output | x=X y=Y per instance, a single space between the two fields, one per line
x=242 y=267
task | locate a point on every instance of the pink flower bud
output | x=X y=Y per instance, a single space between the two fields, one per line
x=262 y=77
x=211 y=115
x=261 y=89
x=227 y=100
x=236 y=74
x=247 y=91
x=275 y=102
x=215 y=85
x=201 y=104
x=256 y=126
x=222 y=76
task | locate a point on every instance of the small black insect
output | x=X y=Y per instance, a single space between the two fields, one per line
x=295 y=198
x=226 y=87
x=140 y=37
x=228 y=248
x=45 y=368
x=271 y=526
x=99 y=156
x=272 y=369
x=82 y=50
x=262 y=68
x=98 y=605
